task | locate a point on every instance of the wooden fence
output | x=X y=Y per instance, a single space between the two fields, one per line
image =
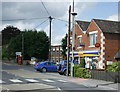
x=105 y=75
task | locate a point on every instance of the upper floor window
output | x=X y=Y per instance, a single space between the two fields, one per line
x=93 y=39
x=70 y=40
x=79 y=41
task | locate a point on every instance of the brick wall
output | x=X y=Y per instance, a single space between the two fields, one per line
x=86 y=37
x=112 y=46
x=109 y=43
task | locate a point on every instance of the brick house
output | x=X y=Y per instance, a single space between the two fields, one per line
x=56 y=53
x=103 y=32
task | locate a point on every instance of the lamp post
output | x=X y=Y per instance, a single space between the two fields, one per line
x=73 y=38
x=68 y=41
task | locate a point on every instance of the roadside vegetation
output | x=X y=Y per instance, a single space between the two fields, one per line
x=115 y=67
x=32 y=43
x=80 y=70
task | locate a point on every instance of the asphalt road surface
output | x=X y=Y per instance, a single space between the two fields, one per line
x=22 y=78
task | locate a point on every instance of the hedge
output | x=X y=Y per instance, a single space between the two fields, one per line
x=81 y=72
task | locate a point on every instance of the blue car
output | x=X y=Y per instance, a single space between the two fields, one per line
x=46 y=66
x=62 y=67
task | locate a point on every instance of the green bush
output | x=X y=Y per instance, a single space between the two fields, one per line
x=81 y=72
x=82 y=63
x=115 y=67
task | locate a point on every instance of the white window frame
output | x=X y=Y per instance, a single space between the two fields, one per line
x=96 y=39
x=80 y=36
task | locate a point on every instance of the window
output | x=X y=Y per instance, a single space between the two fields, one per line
x=53 y=64
x=70 y=40
x=79 y=41
x=48 y=63
x=93 y=39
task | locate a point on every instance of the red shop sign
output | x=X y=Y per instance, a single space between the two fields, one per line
x=97 y=45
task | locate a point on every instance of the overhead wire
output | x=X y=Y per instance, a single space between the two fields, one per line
x=45 y=8
x=40 y=24
x=23 y=19
x=60 y=19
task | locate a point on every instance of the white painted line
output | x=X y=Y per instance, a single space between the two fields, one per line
x=15 y=80
x=1 y=82
x=59 y=89
x=61 y=80
x=31 y=80
x=47 y=80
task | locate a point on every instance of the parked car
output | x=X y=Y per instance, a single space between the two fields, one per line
x=62 y=67
x=46 y=66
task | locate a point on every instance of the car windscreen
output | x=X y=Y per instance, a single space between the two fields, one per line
x=40 y=62
x=63 y=62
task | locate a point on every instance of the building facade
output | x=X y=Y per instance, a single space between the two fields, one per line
x=97 y=42
x=56 y=53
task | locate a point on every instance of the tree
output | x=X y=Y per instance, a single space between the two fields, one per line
x=8 y=33
x=64 y=45
x=36 y=44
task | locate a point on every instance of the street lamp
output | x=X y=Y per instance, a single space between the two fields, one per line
x=73 y=38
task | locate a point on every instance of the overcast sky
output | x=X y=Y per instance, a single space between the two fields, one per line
x=58 y=10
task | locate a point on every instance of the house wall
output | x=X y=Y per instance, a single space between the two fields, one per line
x=112 y=46
x=109 y=44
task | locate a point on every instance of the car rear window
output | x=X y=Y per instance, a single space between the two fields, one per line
x=40 y=62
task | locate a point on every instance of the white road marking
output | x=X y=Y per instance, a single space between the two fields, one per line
x=47 y=80
x=15 y=80
x=31 y=80
x=1 y=81
x=61 y=80
x=59 y=89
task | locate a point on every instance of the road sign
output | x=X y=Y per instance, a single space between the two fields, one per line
x=18 y=53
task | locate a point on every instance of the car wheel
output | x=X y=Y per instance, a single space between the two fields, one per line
x=61 y=73
x=65 y=72
x=37 y=70
x=44 y=70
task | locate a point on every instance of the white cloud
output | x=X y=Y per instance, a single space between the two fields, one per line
x=113 y=17
x=56 y=40
x=19 y=25
x=23 y=26
x=61 y=0
x=47 y=29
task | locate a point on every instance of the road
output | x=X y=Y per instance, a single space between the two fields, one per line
x=22 y=78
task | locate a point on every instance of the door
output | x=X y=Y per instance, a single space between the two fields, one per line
x=54 y=66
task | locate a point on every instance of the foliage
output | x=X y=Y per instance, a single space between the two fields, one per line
x=8 y=33
x=64 y=45
x=35 y=44
x=115 y=67
x=81 y=72
x=82 y=63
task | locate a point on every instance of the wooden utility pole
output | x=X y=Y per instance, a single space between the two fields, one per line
x=50 y=18
x=68 y=41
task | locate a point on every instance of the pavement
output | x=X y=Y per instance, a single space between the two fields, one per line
x=99 y=84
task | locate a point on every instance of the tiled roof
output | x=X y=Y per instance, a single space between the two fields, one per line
x=83 y=24
x=108 y=26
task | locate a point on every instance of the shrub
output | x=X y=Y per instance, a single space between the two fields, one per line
x=81 y=72
x=82 y=63
x=115 y=67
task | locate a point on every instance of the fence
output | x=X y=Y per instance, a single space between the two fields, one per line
x=105 y=75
